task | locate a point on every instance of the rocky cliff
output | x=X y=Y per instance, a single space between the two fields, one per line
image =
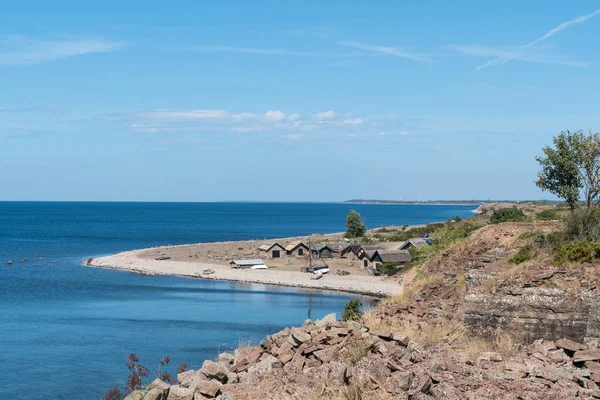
x=471 y=325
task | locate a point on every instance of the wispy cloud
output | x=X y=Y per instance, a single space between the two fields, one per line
x=513 y=53
x=267 y=51
x=360 y=50
x=167 y=121
x=353 y=121
x=387 y=50
x=524 y=52
x=21 y=50
x=326 y=115
x=30 y=109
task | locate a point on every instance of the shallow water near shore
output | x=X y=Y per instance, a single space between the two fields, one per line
x=65 y=330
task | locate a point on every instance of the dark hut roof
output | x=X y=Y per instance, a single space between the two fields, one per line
x=392 y=255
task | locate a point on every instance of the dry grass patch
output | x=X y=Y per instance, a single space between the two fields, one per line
x=431 y=334
x=409 y=292
x=502 y=344
x=355 y=351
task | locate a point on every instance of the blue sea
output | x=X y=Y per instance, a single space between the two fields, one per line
x=66 y=329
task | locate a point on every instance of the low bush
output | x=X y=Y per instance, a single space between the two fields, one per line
x=352 y=311
x=387 y=267
x=584 y=224
x=525 y=253
x=507 y=215
x=527 y=235
x=577 y=252
x=552 y=240
x=547 y=215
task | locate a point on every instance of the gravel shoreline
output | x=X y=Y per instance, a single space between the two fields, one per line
x=132 y=261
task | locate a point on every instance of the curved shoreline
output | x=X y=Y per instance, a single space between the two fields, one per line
x=352 y=284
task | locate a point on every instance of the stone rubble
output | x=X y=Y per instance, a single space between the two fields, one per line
x=315 y=360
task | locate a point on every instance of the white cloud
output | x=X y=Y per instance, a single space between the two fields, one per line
x=353 y=121
x=387 y=50
x=275 y=115
x=326 y=115
x=20 y=50
x=214 y=121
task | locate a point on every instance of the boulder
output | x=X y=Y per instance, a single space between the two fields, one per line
x=569 y=345
x=265 y=365
x=368 y=369
x=401 y=338
x=329 y=319
x=593 y=366
x=298 y=337
x=187 y=378
x=444 y=391
x=135 y=395
x=326 y=355
x=337 y=372
x=208 y=389
x=399 y=382
x=180 y=393
x=226 y=358
x=157 y=390
x=285 y=357
x=213 y=370
x=586 y=355
x=226 y=396
x=422 y=384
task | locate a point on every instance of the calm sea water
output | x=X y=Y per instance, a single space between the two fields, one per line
x=65 y=329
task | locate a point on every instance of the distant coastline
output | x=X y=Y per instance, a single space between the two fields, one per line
x=443 y=202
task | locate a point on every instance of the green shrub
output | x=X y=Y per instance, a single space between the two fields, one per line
x=577 y=252
x=387 y=267
x=352 y=311
x=547 y=215
x=507 y=215
x=524 y=254
x=584 y=224
x=528 y=235
x=552 y=240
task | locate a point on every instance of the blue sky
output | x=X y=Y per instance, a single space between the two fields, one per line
x=286 y=101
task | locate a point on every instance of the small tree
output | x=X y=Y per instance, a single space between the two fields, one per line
x=352 y=311
x=559 y=174
x=354 y=225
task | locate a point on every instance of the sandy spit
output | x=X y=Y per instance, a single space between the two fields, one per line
x=132 y=261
